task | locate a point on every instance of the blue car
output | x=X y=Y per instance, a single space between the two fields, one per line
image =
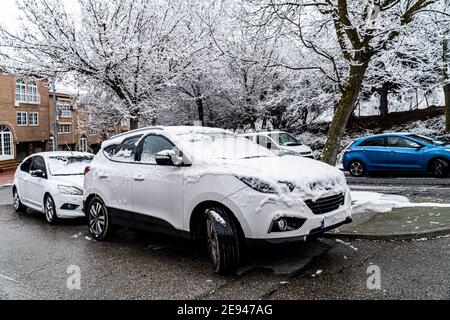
x=397 y=152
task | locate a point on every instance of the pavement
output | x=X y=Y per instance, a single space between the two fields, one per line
x=6 y=179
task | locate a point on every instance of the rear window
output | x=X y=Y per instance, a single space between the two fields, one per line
x=68 y=165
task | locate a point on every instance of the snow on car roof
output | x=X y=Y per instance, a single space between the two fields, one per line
x=49 y=154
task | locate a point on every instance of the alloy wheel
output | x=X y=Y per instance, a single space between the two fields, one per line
x=97 y=219
x=213 y=243
x=438 y=169
x=356 y=168
x=49 y=209
x=16 y=200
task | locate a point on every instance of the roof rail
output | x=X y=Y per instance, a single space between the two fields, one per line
x=135 y=130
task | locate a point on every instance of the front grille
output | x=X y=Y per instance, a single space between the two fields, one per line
x=325 y=205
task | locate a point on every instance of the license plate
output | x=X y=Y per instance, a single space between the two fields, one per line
x=330 y=221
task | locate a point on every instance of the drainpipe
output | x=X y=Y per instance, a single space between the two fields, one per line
x=55 y=114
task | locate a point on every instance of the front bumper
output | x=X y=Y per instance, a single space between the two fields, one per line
x=64 y=201
x=256 y=213
x=313 y=233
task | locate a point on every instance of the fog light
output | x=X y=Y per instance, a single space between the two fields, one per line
x=286 y=224
x=68 y=206
x=282 y=224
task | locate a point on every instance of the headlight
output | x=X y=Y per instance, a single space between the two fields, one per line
x=258 y=185
x=70 y=190
x=265 y=187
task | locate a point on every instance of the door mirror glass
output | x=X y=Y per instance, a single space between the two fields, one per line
x=37 y=173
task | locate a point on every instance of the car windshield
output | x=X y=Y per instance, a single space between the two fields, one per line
x=221 y=145
x=284 y=139
x=428 y=140
x=68 y=165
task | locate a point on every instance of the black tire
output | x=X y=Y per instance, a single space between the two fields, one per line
x=439 y=168
x=50 y=210
x=18 y=205
x=357 y=169
x=99 y=220
x=222 y=241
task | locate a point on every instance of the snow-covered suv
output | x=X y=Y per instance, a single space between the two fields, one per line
x=211 y=184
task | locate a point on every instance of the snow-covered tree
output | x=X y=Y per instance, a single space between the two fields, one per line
x=347 y=36
x=134 y=49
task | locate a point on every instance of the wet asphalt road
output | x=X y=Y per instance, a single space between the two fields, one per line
x=35 y=257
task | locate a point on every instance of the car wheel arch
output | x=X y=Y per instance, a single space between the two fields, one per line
x=196 y=220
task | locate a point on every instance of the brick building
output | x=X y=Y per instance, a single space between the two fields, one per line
x=27 y=117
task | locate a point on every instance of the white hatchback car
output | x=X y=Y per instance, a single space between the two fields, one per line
x=281 y=143
x=52 y=183
x=205 y=183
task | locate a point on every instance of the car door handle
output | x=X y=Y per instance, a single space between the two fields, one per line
x=138 y=179
x=103 y=177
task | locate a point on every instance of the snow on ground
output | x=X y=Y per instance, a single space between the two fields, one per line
x=363 y=201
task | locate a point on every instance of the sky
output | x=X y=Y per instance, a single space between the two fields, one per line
x=8 y=14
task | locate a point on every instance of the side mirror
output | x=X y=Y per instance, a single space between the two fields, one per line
x=168 y=158
x=269 y=145
x=38 y=173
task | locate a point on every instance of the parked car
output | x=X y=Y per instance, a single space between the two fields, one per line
x=281 y=143
x=52 y=183
x=210 y=184
x=398 y=152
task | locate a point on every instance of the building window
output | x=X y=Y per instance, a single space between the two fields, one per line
x=21 y=119
x=32 y=92
x=83 y=144
x=33 y=119
x=64 y=109
x=64 y=128
x=21 y=95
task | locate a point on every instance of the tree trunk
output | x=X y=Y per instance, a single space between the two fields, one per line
x=200 y=109
x=384 y=106
x=134 y=123
x=343 y=112
x=447 y=107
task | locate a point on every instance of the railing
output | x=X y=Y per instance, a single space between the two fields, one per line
x=28 y=98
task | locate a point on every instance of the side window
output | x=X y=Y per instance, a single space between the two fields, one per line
x=38 y=164
x=374 y=142
x=126 y=151
x=152 y=145
x=25 y=167
x=399 y=142
x=109 y=150
x=264 y=141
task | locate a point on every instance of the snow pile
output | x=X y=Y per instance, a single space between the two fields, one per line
x=363 y=201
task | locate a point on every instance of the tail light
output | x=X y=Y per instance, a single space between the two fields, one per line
x=86 y=170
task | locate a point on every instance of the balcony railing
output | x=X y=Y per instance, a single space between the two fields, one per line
x=28 y=98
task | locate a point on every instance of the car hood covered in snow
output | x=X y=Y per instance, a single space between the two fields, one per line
x=312 y=179
x=72 y=180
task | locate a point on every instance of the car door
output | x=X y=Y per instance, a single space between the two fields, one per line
x=23 y=179
x=36 y=185
x=157 y=189
x=375 y=153
x=115 y=180
x=405 y=154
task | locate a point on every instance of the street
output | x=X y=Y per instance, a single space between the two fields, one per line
x=35 y=259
